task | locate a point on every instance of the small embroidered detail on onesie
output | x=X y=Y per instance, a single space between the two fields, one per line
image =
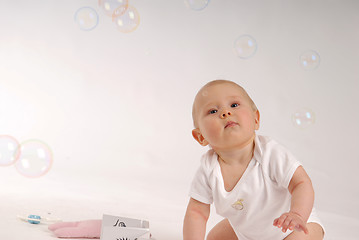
x=238 y=205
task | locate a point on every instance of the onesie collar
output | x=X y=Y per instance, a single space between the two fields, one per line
x=257 y=154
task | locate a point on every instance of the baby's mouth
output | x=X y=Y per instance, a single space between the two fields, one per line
x=231 y=124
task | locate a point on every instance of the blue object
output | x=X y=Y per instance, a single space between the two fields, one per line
x=34 y=217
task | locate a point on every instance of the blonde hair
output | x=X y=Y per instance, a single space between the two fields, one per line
x=216 y=82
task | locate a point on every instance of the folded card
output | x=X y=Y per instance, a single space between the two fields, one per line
x=122 y=228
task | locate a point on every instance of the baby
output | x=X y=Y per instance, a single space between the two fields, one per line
x=256 y=184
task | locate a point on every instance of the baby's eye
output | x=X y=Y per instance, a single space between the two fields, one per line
x=213 y=111
x=234 y=105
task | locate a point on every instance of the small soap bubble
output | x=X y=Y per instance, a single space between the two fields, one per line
x=196 y=5
x=310 y=60
x=8 y=146
x=113 y=6
x=148 y=52
x=205 y=93
x=245 y=46
x=128 y=21
x=86 y=18
x=35 y=158
x=303 y=118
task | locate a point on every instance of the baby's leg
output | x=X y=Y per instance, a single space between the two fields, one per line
x=315 y=233
x=223 y=230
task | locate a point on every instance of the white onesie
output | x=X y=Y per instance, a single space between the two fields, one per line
x=259 y=197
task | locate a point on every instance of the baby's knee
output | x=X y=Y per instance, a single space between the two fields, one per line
x=223 y=230
x=316 y=232
x=213 y=235
x=210 y=237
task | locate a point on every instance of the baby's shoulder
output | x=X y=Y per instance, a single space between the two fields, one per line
x=276 y=161
x=266 y=148
x=209 y=160
x=272 y=155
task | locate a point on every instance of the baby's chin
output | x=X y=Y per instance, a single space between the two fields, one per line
x=233 y=145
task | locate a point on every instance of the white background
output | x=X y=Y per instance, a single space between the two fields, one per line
x=115 y=108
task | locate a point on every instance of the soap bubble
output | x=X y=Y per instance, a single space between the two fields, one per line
x=196 y=5
x=148 y=52
x=205 y=93
x=128 y=21
x=303 y=118
x=310 y=60
x=110 y=6
x=245 y=46
x=35 y=158
x=86 y=18
x=8 y=146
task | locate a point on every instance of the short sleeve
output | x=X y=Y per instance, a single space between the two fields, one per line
x=282 y=165
x=200 y=188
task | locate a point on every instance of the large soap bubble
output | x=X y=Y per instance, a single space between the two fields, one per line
x=111 y=6
x=86 y=18
x=310 y=60
x=303 y=118
x=8 y=153
x=196 y=5
x=245 y=46
x=126 y=21
x=35 y=158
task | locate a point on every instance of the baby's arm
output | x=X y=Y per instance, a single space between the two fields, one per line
x=302 y=192
x=194 y=226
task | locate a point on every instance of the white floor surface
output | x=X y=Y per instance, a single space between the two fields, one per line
x=165 y=218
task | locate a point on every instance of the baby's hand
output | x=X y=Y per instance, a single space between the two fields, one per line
x=291 y=221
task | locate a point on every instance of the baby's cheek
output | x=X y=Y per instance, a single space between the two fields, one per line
x=212 y=133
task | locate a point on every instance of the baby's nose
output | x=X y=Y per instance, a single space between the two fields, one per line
x=226 y=114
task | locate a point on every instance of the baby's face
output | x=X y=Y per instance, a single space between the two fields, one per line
x=225 y=117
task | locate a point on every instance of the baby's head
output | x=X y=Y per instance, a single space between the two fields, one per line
x=204 y=93
x=218 y=104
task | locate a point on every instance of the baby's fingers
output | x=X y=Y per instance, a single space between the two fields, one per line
x=286 y=224
x=275 y=222
x=279 y=221
x=303 y=228
x=292 y=225
x=298 y=227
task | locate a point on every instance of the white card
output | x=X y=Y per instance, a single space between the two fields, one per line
x=121 y=228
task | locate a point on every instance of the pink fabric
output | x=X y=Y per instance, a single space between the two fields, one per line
x=81 y=229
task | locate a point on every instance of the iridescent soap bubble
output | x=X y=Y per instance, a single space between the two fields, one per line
x=310 y=60
x=196 y=5
x=204 y=93
x=111 y=6
x=35 y=158
x=148 y=52
x=303 y=118
x=128 y=21
x=86 y=18
x=8 y=147
x=245 y=46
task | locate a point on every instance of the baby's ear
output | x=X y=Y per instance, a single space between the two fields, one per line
x=257 y=119
x=197 y=135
